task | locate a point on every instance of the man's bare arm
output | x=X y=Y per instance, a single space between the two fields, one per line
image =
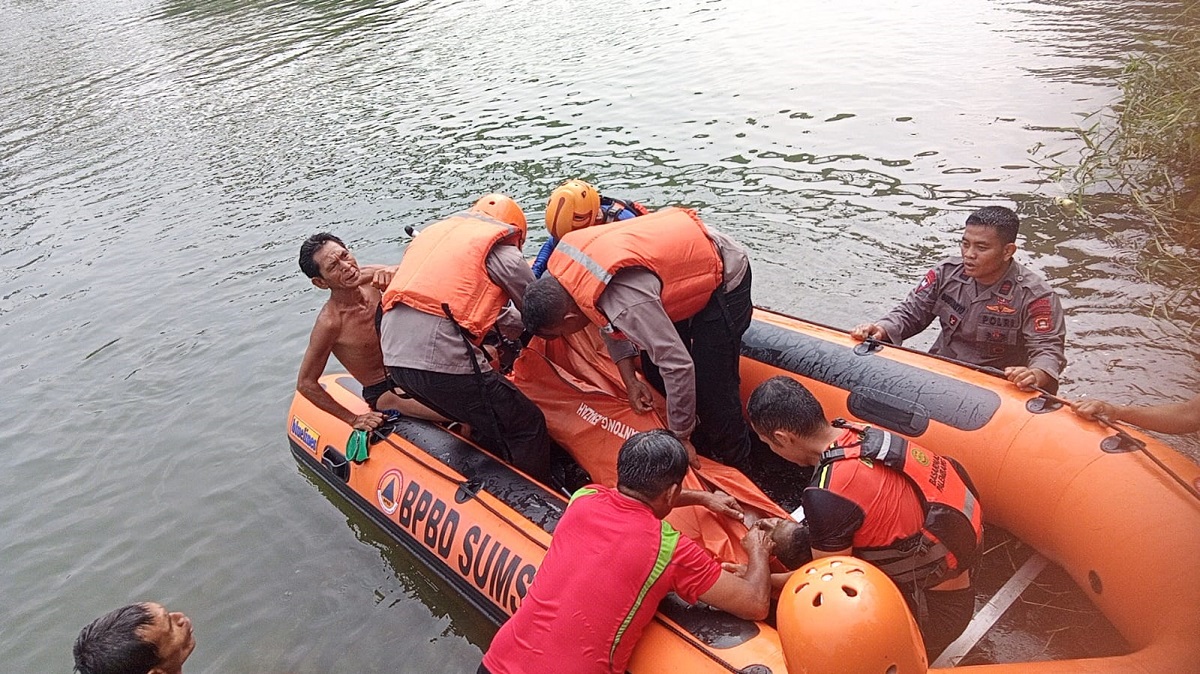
x=747 y=596
x=320 y=346
x=1173 y=418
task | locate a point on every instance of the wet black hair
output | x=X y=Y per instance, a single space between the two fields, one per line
x=111 y=644
x=651 y=462
x=793 y=544
x=782 y=403
x=1003 y=220
x=546 y=304
x=308 y=251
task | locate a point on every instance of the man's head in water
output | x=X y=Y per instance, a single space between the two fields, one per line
x=327 y=261
x=135 y=639
x=988 y=243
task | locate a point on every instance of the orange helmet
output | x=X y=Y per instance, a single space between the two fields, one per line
x=505 y=209
x=840 y=615
x=573 y=205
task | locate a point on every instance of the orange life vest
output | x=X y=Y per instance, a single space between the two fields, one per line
x=950 y=538
x=672 y=243
x=445 y=268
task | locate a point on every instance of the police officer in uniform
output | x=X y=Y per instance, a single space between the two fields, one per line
x=993 y=311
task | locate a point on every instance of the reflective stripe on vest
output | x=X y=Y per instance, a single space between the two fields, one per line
x=447 y=264
x=672 y=243
x=949 y=539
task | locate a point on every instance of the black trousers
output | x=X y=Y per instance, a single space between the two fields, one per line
x=946 y=614
x=502 y=419
x=714 y=338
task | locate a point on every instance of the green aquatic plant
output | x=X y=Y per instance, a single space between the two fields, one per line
x=1141 y=157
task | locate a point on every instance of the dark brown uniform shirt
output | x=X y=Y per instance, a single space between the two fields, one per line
x=1016 y=321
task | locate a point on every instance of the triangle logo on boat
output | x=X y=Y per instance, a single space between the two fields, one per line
x=390 y=485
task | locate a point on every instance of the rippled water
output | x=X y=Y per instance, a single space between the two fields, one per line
x=160 y=163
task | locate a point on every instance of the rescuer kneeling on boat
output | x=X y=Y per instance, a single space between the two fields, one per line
x=135 y=639
x=666 y=287
x=447 y=295
x=993 y=311
x=348 y=327
x=881 y=498
x=612 y=561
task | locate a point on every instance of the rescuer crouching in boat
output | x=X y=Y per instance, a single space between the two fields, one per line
x=348 y=327
x=448 y=293
x=665 y=287
x=612 y=561
x=881 y=498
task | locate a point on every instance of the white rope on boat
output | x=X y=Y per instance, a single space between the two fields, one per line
x=991 y=612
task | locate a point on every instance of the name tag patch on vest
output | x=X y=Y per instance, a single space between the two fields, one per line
x=953 y=304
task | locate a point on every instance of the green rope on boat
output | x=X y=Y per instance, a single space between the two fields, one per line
x=356 y=447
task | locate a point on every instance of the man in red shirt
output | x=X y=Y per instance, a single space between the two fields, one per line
x=861 y=507
x=611 y=562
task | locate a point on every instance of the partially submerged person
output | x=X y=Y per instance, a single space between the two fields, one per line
x=612 y=561
x=1175 y=418
x=877 y=496
x=447 y=295
x=993 y=311
x=141 y=638
x=577 y=204
x=676 y=293
x=347 y=327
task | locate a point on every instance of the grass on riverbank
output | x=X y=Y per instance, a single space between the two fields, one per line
x=1146 y=151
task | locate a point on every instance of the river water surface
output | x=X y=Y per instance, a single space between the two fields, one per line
x=161 y=161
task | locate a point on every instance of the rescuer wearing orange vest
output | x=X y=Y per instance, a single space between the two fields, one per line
x=665 y=286
x=879 y=497
x=448 y=293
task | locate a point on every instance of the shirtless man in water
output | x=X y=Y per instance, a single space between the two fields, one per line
x=348 y=327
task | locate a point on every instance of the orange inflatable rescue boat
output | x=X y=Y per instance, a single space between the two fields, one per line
x=1117 y=511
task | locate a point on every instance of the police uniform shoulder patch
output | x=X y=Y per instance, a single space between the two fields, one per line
x=927 y=282
x=1042 y=313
